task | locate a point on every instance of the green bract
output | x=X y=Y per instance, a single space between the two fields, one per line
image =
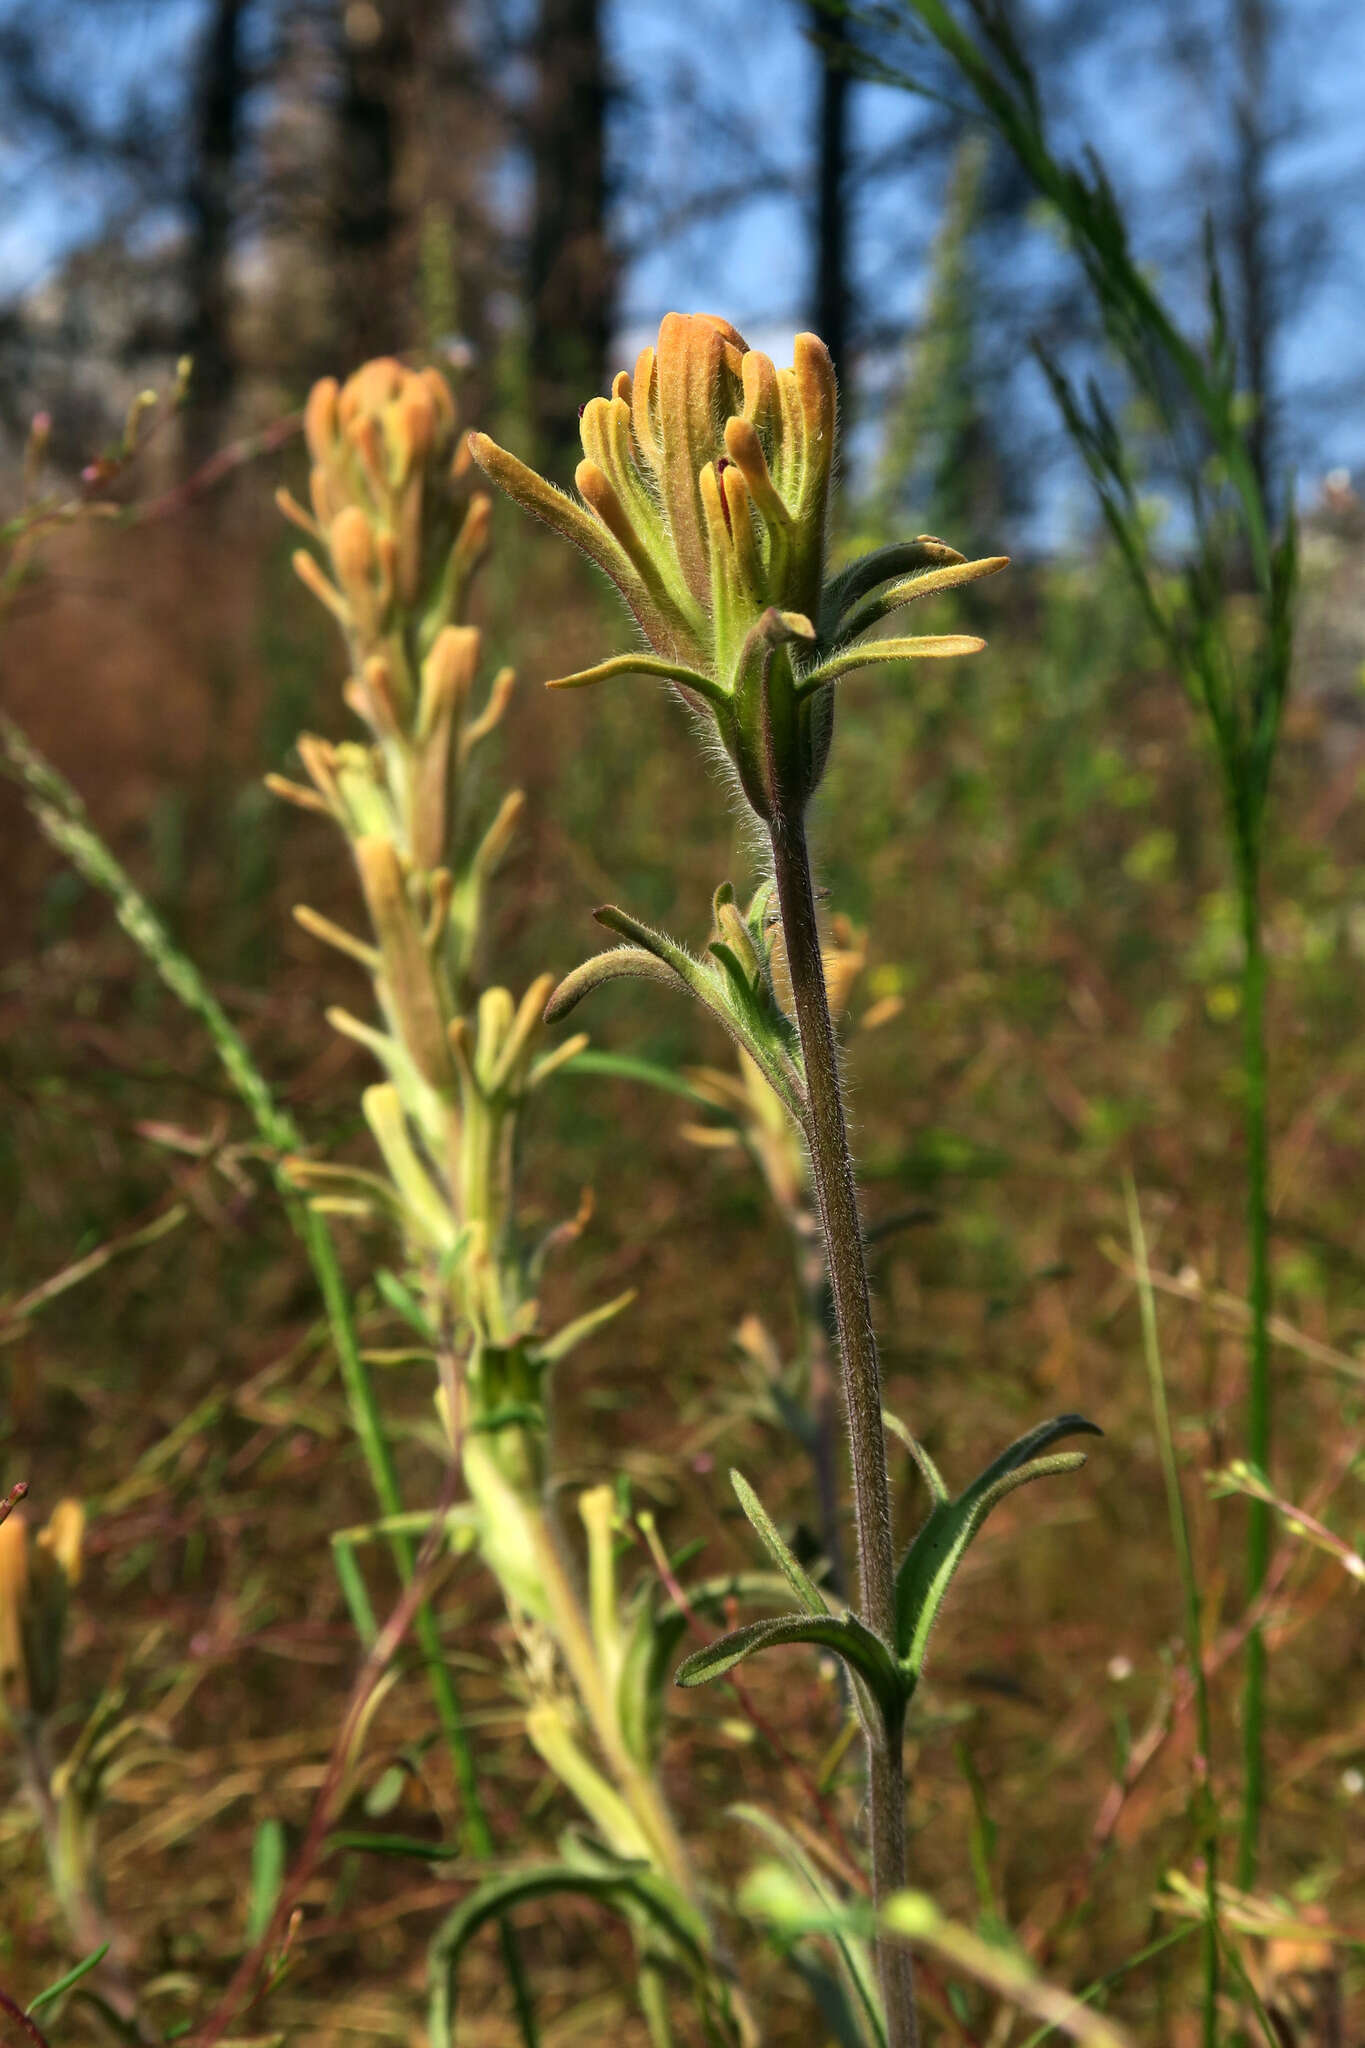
x=705 y=498
x=885 y=1674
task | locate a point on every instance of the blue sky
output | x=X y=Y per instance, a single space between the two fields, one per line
x=750 y=67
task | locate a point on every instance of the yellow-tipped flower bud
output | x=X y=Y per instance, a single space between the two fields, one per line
x=705 y=490
x=392 y=517
x=36 y=1575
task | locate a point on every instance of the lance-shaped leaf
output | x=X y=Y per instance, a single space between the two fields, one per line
x=924 y=646
x=622 y=963
x=870 y=1662
x=721 y=985
x=936 y=1552
x=549 y=1350
x=869 y=572
x=911 y=588
x=646 y=1901
x=654 y=1630
x=642 y=665
x=804 y=1587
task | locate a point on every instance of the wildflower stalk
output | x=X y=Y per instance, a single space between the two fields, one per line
x=401 y=537
x=705 y=498
x=1258 y=1426
x=836 y=1194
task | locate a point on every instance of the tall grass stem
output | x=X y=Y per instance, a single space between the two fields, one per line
x=1258 y=1427
x=1193 y=1610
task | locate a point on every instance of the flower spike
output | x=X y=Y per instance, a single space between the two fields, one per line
x=704 y=496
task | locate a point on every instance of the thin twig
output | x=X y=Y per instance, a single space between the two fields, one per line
x=21 y=2018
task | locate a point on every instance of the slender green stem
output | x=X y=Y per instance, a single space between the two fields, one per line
x=64 y=820
x=1102 y=1984
x=837 y=1199
x=1207 y=1811
x=1258 y=1428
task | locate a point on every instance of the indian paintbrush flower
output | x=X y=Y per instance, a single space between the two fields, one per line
x=705 y=490
x=402 y=535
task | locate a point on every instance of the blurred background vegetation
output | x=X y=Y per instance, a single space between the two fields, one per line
x=516 y=190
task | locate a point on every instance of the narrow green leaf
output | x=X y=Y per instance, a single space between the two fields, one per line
x=919 y=647
x=643 y=665
x=404 y=1302
x=411 y=1847
x=865 y=1654
x=623 y=963
x=936 y=1552
x=64 y=1984
x=267 y=1875
x=804 y=1587
x=874 y=609
x=615 y=1066
x=928 y=1470
x=354 y=1590
x=630 y=1892
x=869 y=572
x=564 y=1340
x=1030 y=1446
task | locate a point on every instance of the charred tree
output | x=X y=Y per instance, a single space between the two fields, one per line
x=216 y=121
x=831 y=298
x=571 y=273
x=382 y=52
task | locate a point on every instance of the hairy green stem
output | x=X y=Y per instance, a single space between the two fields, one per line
x=64 y=820
x=1193 y=1614
x=1258 y=1428
x=821 y=1392
x=837 y=1199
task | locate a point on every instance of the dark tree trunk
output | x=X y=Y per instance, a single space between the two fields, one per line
x=572 y=276
x=209 y=198
x=831 y=294
x=376 y=263
x=1251 y=228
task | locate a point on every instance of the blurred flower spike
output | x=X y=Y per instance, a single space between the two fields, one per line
x=705 y=491
x=401 y=532
x=36 y=1576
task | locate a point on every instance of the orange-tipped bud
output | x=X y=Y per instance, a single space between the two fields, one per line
x=320 y=419
x=351 y=540
x=36 y=1577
